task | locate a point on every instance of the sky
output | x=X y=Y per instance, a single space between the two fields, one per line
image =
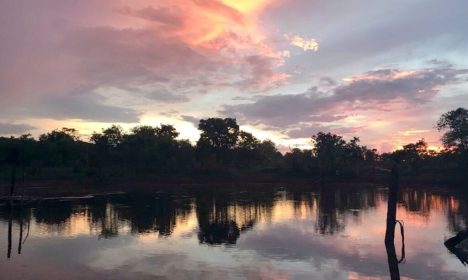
x=381 y=70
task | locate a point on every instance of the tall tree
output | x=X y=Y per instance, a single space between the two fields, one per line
x=246 y=141
x=298 y=160
x=247 y=149
x=63 y=135
x=109 y=137
x=456 y=136
x=329 y=150
x=106 y=143
x=220 y=134
x=456 y=124
x=269 y=156
x=412 y=154
x=60 y=146
x=167 y=132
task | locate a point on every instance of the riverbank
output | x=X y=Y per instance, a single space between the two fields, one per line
x=66 y=188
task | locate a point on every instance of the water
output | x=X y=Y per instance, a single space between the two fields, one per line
x=308 y=233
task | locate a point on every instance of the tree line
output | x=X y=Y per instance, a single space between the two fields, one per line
x=223 y=148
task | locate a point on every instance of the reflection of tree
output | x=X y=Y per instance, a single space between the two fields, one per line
x=219 y=232
x=18 y=218
x=149 y=213
x=53 y=212
x=333 y=204
x=457 y=212
x=110 y=223
x=144 y=213
x=329 y=220
x=222 y=218
x=457 y=218
x=215 y=226
x=104 y=217
x=422 y=202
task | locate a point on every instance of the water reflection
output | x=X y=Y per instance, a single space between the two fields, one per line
x=23 y=219
x=223 y=217
x=322 y=233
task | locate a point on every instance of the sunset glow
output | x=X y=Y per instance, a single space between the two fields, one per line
x=286 y=70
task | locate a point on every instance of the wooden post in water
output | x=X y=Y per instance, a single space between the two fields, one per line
x=20 y=239
x=13 y=180
x=10 y=224
x=391 y=206
x=391 y=222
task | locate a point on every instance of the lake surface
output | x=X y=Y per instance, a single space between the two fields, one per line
x=306 y=233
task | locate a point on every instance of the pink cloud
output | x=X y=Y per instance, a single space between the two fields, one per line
x=58 y=47
x=382 y=106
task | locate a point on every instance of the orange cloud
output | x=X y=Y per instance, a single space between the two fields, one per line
x=383 y=75
x=227 y=32
x=247 y=6
x=305 y=44
x=146 y=45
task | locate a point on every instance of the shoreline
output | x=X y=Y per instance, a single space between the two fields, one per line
x=74 y=189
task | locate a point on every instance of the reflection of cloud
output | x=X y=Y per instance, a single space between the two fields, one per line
x=284 y=246
x=361 y=253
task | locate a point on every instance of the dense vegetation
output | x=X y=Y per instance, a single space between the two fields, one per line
x=221 y=149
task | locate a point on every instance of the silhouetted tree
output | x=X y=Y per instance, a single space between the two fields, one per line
x=298 y=160
x=109 y=138
x=166 y=132
x=456 y=136
x=270 y=158
x=167 y=147
x=411 y=155
x=329 y=150
x=247 y=149
x=218 y=139
x=221 y=149
x=59 y=147
x=105 y=144
x=456 y=122
x=218 y=133
x=370 y=155
x=63 y=135
x=148 y=146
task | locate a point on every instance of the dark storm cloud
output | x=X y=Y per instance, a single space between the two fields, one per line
x=384 y=85
x=13 y=128
x=306 y=131
x=275 y=110
x=373 y=90
x=166 y=96
x=90 y=107
x=195 y=121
